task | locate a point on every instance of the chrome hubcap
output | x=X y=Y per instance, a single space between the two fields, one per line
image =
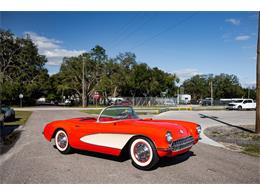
x=62 y=140
x=141 y=152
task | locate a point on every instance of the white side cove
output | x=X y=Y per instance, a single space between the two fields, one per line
x=111 y=140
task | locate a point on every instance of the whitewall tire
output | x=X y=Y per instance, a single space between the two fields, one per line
x=62 y=142
x=143 y=153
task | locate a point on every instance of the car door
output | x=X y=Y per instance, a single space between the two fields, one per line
x=247 y=104
x=250 y=104
x=103 y=137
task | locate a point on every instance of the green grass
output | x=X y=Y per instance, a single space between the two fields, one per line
x=20 y=118
x=253 y=150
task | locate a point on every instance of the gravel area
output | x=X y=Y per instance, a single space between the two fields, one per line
x=236 y=137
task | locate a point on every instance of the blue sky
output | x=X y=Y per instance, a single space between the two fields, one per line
x=186 y=43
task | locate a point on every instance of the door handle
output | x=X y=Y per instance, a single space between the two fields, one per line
x=77 y=125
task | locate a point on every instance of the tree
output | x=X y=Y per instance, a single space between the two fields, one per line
x=197 y=86
x=224 y=86
x=71 y=71
x=21 y=68
x=8 y=49
x=227 y=86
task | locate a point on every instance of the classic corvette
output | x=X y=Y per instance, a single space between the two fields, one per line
x=118 y=129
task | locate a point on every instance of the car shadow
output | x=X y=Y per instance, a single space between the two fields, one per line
x=123 y=157
x=174 y=160
x=163 y=162
x=9 y=137
x=223 y=122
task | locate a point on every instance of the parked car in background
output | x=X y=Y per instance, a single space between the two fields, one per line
x=206 y=102
x=169 y=103
x=9 y=113
x=245 y=104
x=122 y=103
x=67 y=102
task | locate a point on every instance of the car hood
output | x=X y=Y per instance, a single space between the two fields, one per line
x=153 y=125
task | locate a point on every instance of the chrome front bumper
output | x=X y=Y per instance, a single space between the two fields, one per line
x=182 y=144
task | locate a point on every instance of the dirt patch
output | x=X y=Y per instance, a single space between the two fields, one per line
x=242 y=138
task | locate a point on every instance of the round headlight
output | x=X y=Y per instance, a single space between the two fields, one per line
x=168 y=136
x=198 y=128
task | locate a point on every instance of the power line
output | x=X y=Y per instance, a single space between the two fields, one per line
x=138 y=28
x=123 y=29
x=165 y=30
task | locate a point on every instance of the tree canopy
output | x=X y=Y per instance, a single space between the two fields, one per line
x=22 y=70
x=113 y=76
x=224 y=86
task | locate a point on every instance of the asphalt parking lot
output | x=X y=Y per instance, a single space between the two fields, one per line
x=34 y=160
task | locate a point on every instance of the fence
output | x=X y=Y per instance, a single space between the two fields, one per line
x=151 y=101
x=168 y=101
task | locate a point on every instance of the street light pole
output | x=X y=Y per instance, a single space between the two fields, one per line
x=257 y=119
x=83 y=84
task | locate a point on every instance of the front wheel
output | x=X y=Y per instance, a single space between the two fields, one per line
x=143 y=153
x=62 y=142
x=239 y=108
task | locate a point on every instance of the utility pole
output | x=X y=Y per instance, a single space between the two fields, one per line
x=1 y=114
x=211 y=93
x=83 y=83
x=257 y=119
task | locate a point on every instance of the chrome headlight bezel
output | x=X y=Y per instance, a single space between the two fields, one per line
x=198 y=128
x=168 y=137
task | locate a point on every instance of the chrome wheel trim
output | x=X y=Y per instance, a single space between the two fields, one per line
x=141 y=152
x=61 y=140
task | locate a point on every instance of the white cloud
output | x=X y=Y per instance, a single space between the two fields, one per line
x=186 y=73
x=52 y=49
x=233 y=21
x=242 y=38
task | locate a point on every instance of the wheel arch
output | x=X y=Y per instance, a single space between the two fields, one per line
x=56 y=130
x=125 y=149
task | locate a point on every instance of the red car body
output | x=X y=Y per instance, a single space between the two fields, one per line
x=155 y=130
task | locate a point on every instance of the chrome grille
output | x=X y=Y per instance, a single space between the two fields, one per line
x=181 y=144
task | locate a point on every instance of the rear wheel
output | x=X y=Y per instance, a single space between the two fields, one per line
x=62 y=142
x=143 y=153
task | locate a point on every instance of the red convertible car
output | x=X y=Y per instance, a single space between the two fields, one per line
x=117 y=129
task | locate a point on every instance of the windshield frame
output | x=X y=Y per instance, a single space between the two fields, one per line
x=116 y=106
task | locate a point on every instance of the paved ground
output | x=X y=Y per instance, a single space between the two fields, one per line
x=212 y=118
x=34 y=160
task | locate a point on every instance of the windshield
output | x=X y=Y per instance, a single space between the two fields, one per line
x=117 y=113
x=238 y=101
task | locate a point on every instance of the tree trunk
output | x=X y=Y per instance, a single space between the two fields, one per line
x=115 y=93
